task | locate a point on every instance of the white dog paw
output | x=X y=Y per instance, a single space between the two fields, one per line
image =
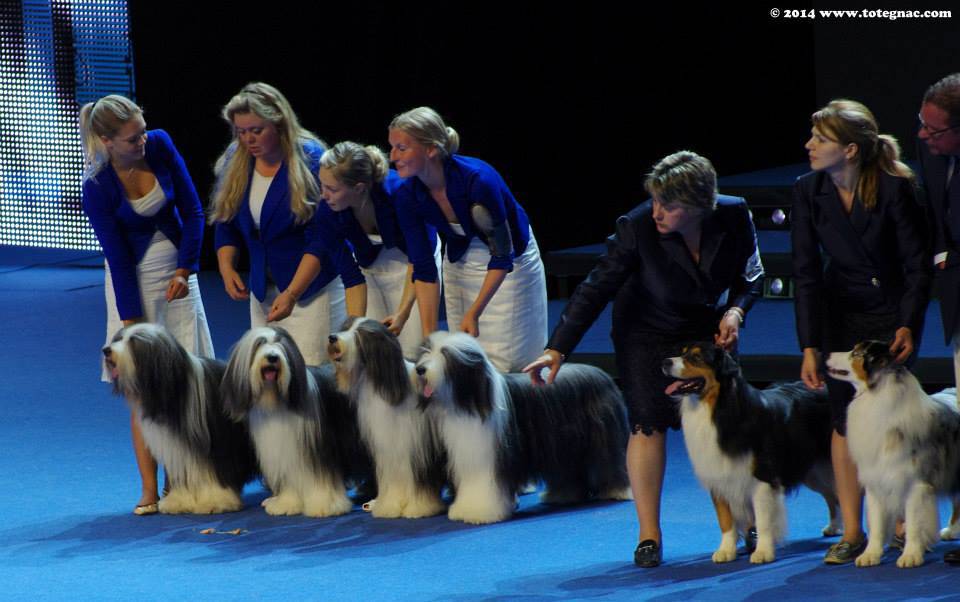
x=950 y=532
x=423 y=506
x=619 y=494
x=477 y=515
x=724 y=554
x=175 y=502
x=910 y=559
x=868 y=558
x=762 y=555
x=334 y=505
x=388 y=507
x=280 y=505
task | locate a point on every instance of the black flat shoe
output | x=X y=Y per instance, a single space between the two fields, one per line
x=952 y=557
x=648 y=554
x=750 y=540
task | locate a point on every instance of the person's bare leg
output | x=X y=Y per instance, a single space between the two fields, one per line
x=646 y=461
x=145 y=464
x=849 y=491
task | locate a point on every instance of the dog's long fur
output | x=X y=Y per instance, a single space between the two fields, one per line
x=501 y=432
x=175 y=397
x=749 y=447
x=371 y=370
x=906 y=446
x=303 y=428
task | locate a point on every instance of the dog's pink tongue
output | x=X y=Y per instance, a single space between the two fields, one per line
x=427 y=390
x=115 y=373
x=673 y=387
x=270 y=375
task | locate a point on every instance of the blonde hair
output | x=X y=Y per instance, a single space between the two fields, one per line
x=104 y=117
x=353 y=164
x=426 y=126
x=684 y=177
x=232 y=168
x=850 y=122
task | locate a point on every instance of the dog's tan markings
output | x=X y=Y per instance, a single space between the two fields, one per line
x=724 y=514
x=695 y=367
x=856 y=364
x=334 y=350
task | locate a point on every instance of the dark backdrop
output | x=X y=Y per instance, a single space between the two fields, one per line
x=573 y=106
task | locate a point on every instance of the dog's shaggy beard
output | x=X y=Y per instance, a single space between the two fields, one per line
x=370 y=368
x=175 y=398
x=268 y=385
x=501 y=432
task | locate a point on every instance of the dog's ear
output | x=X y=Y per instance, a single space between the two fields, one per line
x=163 y=372
x=299 y=390
x=236 y=392
x=727 y=365
x=877 y=359
x=466 y=370
x=381 y=356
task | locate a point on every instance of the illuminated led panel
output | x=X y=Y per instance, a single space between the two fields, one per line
x=54 y=57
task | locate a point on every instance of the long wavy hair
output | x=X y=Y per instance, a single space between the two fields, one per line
x=233 y=167
x=850 y=122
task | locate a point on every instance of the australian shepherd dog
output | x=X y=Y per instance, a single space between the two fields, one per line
x=501 y=432
x=175 y=397
x=906 y=445
x=749 y=447
x=303 y=429
x=380 y=383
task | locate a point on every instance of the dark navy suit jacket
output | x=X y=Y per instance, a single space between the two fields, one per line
x=945 y=234
x=871 y=262
x=656 y=286
x=125 y=235
x=280 y=243
x=468 y=181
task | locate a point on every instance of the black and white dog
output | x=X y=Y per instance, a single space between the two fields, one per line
x=906 y=445
x=371 y=370
x=501 y=432
x=749 y=446
x=303 y=429
x=175 y=396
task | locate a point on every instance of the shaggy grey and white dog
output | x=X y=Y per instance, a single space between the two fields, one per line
x=175 y=397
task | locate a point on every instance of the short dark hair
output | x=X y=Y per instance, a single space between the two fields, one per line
x=946 y=95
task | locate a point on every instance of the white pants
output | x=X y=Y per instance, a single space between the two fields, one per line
x=513 y=327
x=184 y=318
x=311 y=321
x=386 y=278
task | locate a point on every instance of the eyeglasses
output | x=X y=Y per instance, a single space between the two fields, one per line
x=935 y=133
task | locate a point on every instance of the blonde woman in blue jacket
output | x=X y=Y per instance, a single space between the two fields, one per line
x=144 y=209
x=265 y=201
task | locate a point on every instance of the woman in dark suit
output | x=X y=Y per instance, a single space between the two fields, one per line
x=861 y=266
x=681 y=267
x=146 y=214
x=266 y=198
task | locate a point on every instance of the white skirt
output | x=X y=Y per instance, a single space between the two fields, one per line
x=513 y=327
x=184 y=318
x=311 y=321
x=385 y=278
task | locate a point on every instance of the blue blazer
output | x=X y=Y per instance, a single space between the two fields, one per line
x=280 y=244
x=125 y=235
x=655 y=285
x=945 y=229
x=343 y=226
x=468 y=181
x=871 y=261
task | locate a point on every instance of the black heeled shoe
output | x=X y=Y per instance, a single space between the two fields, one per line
x=648 y=554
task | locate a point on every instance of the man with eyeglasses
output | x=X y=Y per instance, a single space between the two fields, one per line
x=939 y=152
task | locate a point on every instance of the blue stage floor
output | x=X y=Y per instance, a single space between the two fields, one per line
x=68 y=484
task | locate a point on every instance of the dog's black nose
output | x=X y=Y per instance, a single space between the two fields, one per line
x=273 y=358
x=421 y=370
x=106 y=351
x=667 y=365
x=333 y=338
